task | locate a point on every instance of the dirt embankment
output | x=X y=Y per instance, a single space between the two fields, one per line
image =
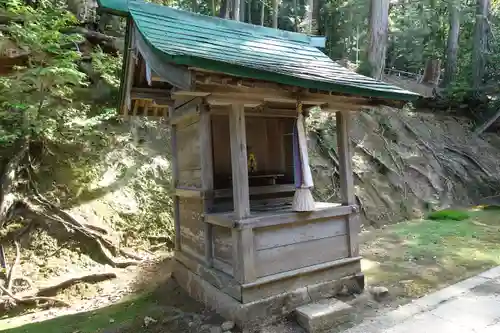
x=407 y=163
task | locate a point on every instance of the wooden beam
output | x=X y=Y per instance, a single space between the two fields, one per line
x=334 y=108
x=300 y=272
x=347 y=181
x=190 y=193
x=265 y=113
x=219 y=93
x=158 y=96
x=186 y=110
x=293 y=101
x=207 y=175
x=243 y=255
x=239 y=166
x=129 y=70
x=280 y=218
x=269 y=189
x=175 y=176
x=180 y=94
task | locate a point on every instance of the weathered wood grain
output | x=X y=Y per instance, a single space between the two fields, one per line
x=190 y=192
x=268 y=219
x=227 y=193
x=346 y=180
x=329 y=274
x=207 y=175
x=295 y=256
x=175 y=176
x=188 y=147
x=222 y=244
x=271 y=237
x=192 y=225
x=275 y=145
x=189 y=178
x=239 y=166
x=243 y=255
x=257 y=142
x=221 y=148
x=220 y=280
x=186 y=111
x=223 y=267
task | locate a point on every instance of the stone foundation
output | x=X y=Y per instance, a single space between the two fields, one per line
x=266 y=310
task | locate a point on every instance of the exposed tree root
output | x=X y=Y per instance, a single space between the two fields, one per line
x=14 y=264
x=36 y=210
x=8 y=183
x=8 y=197
x=84 y=235
x=90 y=278
x=31 y=300
x=470 y=158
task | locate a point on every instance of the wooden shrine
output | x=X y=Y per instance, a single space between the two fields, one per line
x=233 y=106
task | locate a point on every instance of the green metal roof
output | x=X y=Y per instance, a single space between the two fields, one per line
x=116 y=7
x=246 y=50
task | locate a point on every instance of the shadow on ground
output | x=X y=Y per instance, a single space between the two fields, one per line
x=166 y=309
x=411 y=259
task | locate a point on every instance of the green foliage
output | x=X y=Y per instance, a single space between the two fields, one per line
x=448 y=214
x=36 y=100
x=108 y=67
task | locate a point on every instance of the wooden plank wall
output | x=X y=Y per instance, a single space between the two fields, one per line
x=279 y=249
x=188 y=154
x=266 y=139
x=223 y=248
x=222 y=151
x=257 y=141
x=192 y=226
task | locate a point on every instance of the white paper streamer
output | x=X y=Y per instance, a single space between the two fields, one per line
x=307 y=180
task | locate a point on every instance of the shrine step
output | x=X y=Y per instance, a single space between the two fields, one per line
x=323 y=315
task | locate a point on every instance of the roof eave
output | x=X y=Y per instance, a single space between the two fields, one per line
x=241 y=71
x=113 y=10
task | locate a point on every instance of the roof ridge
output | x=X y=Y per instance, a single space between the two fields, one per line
x=218 y=21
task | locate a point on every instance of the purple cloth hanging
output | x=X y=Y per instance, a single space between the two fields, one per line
x=297 y=165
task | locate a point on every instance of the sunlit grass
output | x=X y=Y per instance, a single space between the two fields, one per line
x=448 y=214
x=417 y=257
x=100 y=321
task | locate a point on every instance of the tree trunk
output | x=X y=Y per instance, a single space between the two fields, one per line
x=309 y=16
x=275 y=14
x=295 y=18
x=316 y=16
x=194 y=6
x=236 y=10
x=452 y=44
x=249 y=11
x=379 y=24
x=212 y=7
x=262 y=12
x=224 y=6
x=243 y=8
x=480 y=43
x=432 y=72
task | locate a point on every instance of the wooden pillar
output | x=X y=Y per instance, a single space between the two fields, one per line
x=128 y=67
x=243 y=255
x=207 y=175
x=175 y=176
x=239 y=166
x=243 y=245
x=346 y=180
